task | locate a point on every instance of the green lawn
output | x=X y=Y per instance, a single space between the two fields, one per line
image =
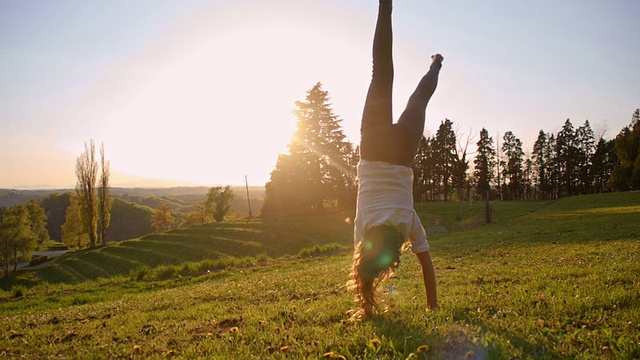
x=557 y=279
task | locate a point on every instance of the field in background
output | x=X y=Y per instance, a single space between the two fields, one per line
x=554 y=279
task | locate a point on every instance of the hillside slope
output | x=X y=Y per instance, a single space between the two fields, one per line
x=235 y=239
x=560 y=280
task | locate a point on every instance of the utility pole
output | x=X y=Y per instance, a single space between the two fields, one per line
x=246 y=183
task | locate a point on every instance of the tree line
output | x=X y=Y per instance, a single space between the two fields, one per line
x=319 y=170
x=215 y=207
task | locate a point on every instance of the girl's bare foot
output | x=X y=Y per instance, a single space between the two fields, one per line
x=437 y=58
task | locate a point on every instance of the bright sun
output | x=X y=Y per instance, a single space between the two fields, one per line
x=213 y=102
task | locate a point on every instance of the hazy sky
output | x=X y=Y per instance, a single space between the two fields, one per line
x=201 y=91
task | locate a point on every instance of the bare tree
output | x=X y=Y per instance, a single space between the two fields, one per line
x=463 y=186
x=86 y=175
x=104 y=201
x=600 y=129
x=498 y=165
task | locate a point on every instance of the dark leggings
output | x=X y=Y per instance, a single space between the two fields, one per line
x=381 y=139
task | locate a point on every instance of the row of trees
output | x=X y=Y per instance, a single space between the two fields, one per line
x=626 y=174
x=568 y=163
x=319 y=170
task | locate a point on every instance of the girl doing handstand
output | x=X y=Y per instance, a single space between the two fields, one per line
x=385 y=216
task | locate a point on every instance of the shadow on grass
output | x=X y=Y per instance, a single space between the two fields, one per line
x=19 y=278
x=416 y=342
x=463 y=338
x=494 y=337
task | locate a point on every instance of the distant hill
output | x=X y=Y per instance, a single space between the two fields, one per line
x=131 y=213
x=10 y=197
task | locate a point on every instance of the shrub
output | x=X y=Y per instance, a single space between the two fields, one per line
x=139 y=273
x=165 y=273
x=323 y=249
x=18 y=291
x=262 y=258
x=189 y=269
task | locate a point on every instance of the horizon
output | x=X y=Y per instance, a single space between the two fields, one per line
x=202 y=91
x=146 y=184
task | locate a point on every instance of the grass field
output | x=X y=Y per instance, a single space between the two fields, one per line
x=556 y=279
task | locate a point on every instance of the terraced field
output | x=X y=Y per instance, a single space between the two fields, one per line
x=236 y=240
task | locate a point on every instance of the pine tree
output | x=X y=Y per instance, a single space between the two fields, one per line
x=567 y=155
x=422 y=166
x=484 y=164
x=541 y=158
x=512 y=148
x=555 y=170
x=585 y=146
x=319 y=169
x=445 y=156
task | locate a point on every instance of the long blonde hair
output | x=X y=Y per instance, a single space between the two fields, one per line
x=374 y=260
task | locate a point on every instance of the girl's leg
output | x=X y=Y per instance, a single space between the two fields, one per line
x=411 y=122
x=377 y=114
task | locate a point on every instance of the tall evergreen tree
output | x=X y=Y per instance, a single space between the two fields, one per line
x=422 y=166
x=541 y=166
x=319 y=168
x=446 y=157
x=484 y=164
x=512 y=149
x=585 y=146
x=567 y=160
x=555 y=170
